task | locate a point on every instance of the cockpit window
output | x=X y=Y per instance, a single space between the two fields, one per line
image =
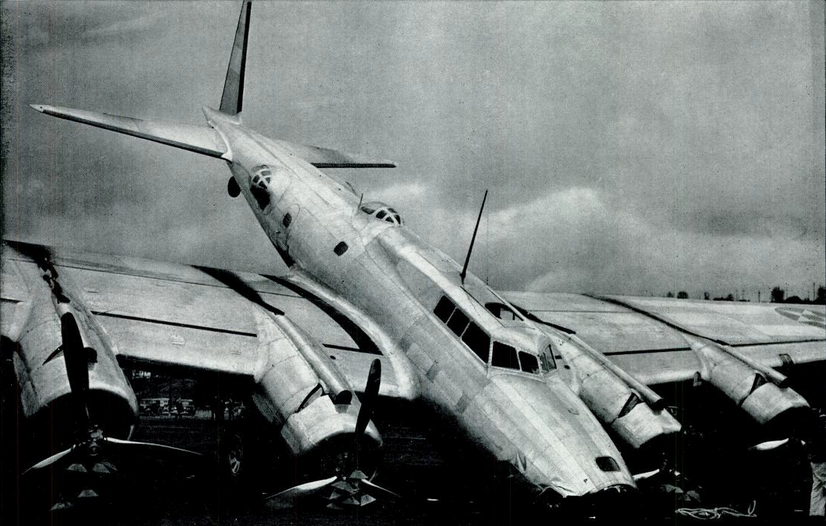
x=502 y=311
x=381 y=214
x=444 y=309
x=504 y=356
x=529 y=362
x=367 y=210
x=478 y=341
x=458 y=322
x=547 y=360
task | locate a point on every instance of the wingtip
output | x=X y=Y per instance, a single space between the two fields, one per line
x=38 y=107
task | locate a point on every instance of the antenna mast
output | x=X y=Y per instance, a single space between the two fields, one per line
x=473 y=239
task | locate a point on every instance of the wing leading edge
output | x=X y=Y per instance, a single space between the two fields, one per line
x=645 y=336
x=165 y=315
x=203 y=139
x=198 y=139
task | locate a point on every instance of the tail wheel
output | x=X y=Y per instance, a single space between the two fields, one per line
x=232 y=187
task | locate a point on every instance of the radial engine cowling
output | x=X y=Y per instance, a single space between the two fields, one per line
x=760 y=391
x=43 y=379
x=629 y=409
x=299 y=389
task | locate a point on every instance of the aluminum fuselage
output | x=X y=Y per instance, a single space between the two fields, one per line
x=381 y=272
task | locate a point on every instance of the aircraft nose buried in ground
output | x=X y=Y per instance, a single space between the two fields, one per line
x=548 y=435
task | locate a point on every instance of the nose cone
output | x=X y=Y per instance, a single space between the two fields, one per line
x=548 y=435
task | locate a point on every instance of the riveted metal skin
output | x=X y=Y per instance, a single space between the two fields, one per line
x=296 y=388
x=747 y=387
x=322 y=420
x=614 y=402
x=41 y=371
x=493 y=376
x=390 y=281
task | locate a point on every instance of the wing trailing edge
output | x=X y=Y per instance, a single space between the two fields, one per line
x=327 y=158
x=198 y=139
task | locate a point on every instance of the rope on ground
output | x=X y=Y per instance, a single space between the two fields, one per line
x=716 y=513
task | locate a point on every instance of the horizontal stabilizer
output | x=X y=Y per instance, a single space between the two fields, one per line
x=326 y=158
x=198 y=139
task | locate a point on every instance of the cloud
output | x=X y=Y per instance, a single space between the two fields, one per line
x=628 y=147
x=119 y=29
x=579 y=239
x=412 y=191
x=39 y=26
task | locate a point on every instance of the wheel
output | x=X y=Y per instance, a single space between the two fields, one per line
x=231 y=455
x=232 y=187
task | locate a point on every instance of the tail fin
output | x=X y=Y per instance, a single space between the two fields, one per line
x=233 y=95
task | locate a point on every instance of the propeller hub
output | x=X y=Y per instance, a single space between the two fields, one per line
x=93 y=443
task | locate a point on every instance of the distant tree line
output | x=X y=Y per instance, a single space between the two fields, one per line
x=682 y=295
x=778 y=295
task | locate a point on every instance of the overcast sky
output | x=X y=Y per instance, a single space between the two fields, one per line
x=632 y=148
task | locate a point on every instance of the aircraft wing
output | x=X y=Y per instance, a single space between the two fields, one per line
x=642 y=335
x=327 y=158
x=198 y=139
x=163 y=315
x=203 y=139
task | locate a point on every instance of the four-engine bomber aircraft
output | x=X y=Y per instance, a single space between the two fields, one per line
x=546 y=383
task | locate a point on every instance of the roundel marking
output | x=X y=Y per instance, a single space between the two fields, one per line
x=809 y=317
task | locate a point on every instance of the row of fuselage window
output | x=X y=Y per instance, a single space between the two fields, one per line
x=479 y=342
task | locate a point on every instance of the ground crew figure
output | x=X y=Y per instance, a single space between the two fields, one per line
x=816 y=451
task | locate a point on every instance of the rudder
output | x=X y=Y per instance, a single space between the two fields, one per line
x=233 y=96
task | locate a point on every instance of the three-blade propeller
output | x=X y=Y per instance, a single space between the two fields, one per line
x=94 y=445
x=350 y=489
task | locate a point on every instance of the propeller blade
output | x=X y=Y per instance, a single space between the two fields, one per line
x=49 y=461
x=60 y=506
x=769 y=445
x=76 y=366
x=150 y=446
x=286 y=499
x=373 y=485
x=645 y=475
x=137 y=445
x=371 y=392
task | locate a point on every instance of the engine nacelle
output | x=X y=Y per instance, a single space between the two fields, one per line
x=299 y=389
x=41 y=369
x=745 y=383
x=606 y=392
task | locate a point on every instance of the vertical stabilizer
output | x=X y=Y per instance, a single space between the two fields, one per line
x=233 y=95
